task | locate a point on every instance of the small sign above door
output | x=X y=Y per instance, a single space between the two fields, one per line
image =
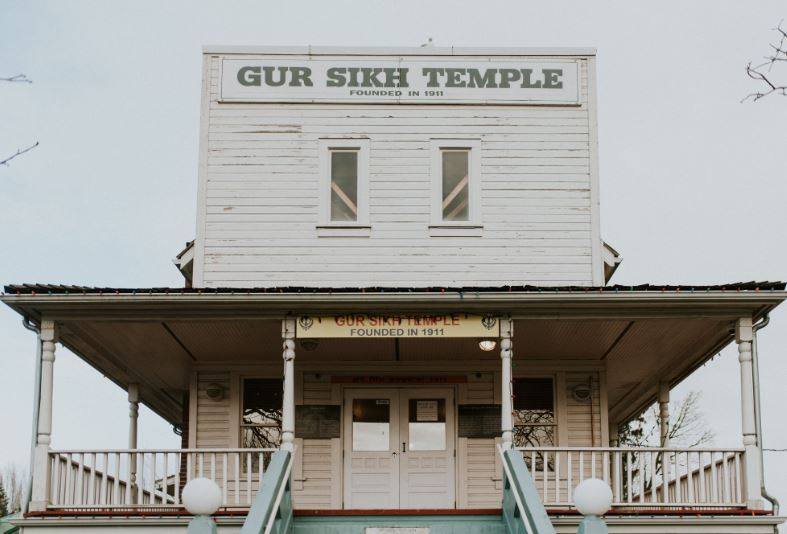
x=377 y=326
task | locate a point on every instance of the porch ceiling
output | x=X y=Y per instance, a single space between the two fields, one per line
x=155 y=339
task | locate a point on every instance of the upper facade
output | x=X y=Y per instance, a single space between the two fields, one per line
x=410 y=167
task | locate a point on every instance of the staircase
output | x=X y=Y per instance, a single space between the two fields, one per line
x=522 y=511
x=400 y=524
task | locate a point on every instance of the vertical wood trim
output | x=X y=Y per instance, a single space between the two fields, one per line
x=193 y=399
x=235 y=408
x=336 y=473
x=595 y=203
x=560 y=409
x=298 y=387
x=496 y=386
x=461 y=472
x=603 y=409
x=198 y=276
x=297 y=466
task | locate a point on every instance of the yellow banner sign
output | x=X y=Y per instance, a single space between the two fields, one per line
x=376 y=326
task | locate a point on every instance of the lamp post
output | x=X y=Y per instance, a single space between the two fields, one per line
x=593 y=499
x=202 y=497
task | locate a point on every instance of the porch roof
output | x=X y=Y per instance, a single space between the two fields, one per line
x=154 y=336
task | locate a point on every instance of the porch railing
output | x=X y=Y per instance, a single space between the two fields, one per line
x=641 y=477
x=124 y=478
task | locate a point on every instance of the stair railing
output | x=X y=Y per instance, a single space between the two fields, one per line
x=523 y=511
x=271 y=511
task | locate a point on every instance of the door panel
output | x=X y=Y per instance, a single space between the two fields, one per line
x=427 y=448
x=371 y=449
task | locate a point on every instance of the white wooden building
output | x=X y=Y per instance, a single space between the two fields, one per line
x=398 y=269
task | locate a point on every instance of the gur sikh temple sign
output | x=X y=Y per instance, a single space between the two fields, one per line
x=372 y=326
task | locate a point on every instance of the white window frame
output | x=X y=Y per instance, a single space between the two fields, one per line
x=473 y=146
x=327 y=146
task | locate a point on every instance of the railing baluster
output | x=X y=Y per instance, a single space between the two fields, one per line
x=260 y=469
x=713 y=481
x=189 y=462
x=725 y=478
x=617 y=478
x=545 y=478
x=533 y=464
x=629 y=485
x=178 y=463
x=116 y=482
x=702 y=473
x=153 y=477
x=665 y=471
x=592 y=464
x=738 y=492
x=69 y=493
x=213 y=466
x=676 y=461
x=165 y=481
x=249 y=469
x=605 y=468
x=54 y=491
x=140 y=459
x=570 y=472
x=237 y=477
x=689 y=479
x=557 y=477
x=581 y=466
x=224 y=479
x=654 y=458
x=80 y=482
x=102 y=489
x=641 y=472
x=91 y=489
x=201 y=457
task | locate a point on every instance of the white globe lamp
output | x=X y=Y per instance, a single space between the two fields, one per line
x=593 y=499
x=202 y=496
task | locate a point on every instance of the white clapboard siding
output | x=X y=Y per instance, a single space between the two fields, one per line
x=480 y=473
x=316 y=479
x=213 y=416
x=260 y=180
x=580 y=431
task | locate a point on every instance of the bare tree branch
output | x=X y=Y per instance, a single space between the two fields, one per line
x=19 y=78
x=19 y=152
x=763 y=72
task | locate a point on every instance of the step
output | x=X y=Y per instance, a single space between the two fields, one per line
x=399 y=524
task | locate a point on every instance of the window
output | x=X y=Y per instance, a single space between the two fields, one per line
x=371 y=424
x=455 y=194
x=344 y=183
x=261 y=417
x=535 y=423
x=426 y=425
x=455 y=183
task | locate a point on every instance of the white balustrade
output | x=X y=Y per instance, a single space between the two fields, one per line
x=136 y=478
x=655 y=478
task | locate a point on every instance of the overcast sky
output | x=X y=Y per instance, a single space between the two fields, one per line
x=693 y=185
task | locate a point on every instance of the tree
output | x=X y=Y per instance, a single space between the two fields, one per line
x=765 y=72
x=17 y=78
x=3 y=500
x=13 y=481
x=687 y=426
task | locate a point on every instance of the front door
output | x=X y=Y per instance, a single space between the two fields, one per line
x=399 y=448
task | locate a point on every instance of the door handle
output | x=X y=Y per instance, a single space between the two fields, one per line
x=404 y=449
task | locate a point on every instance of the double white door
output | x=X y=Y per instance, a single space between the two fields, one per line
x=398 y=448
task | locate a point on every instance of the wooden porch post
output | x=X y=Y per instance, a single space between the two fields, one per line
x=288 y=399
x=40 y=496
x=752 y=468
x=506 y=397
x=664 y=414
x=133 y=418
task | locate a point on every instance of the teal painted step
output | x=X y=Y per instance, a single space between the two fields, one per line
x=438 y=524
